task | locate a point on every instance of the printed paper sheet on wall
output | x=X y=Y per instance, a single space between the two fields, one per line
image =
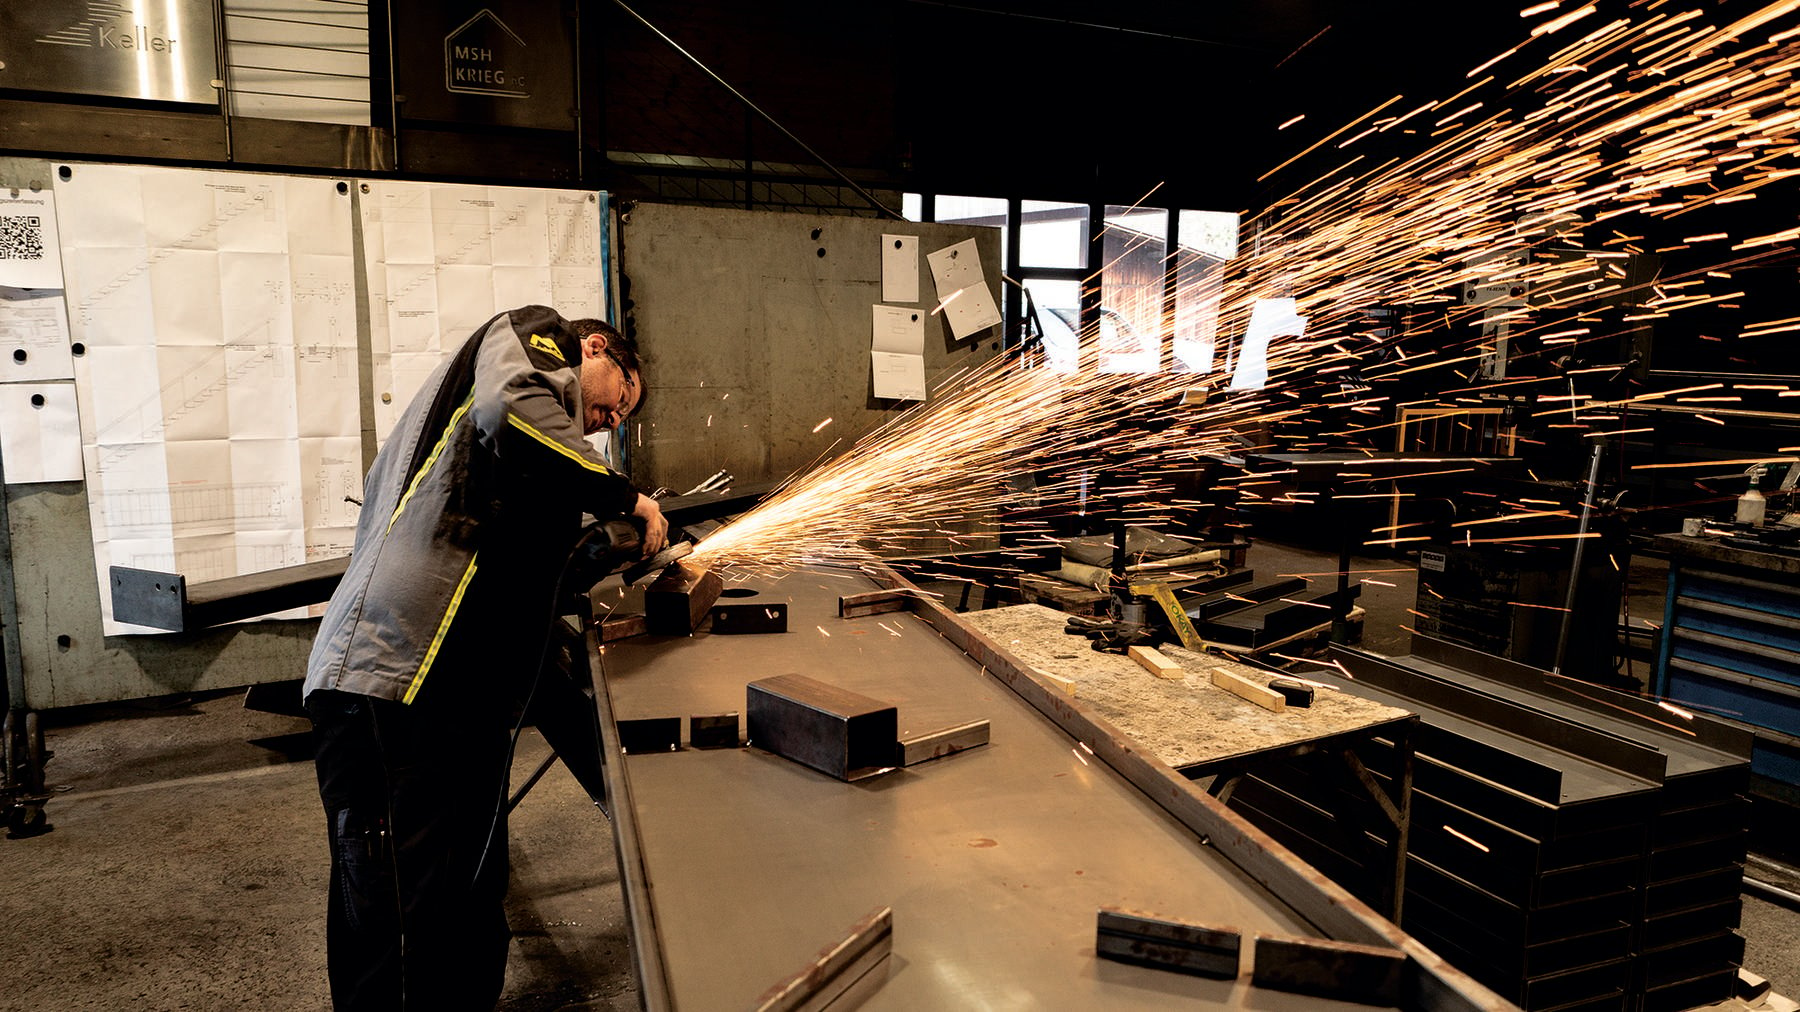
x=443 y=258
x=214 y=319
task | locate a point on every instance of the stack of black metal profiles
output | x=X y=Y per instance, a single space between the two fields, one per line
x=1572 y=847
x=1257 y=616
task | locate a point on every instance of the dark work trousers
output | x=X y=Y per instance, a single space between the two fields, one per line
x=411 y=794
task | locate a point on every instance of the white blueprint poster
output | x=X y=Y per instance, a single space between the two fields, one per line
x=217 y=378
x=443 y=258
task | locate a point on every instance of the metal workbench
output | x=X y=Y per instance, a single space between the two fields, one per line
x=740 y=866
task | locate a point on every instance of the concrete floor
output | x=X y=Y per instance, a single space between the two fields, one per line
x=187 y=870
x=187 y=866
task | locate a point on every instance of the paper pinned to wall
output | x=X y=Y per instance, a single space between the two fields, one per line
x=899 y=330
x=963 y=293
x=29 y=255
x=217 y=391
x=897 y=353
x=1269 y=319
x=40 y=434
x=900 y=268
x=443 y=258
x=898 y=377
x=34 y=336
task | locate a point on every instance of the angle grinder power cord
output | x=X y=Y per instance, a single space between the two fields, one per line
x=604 y=548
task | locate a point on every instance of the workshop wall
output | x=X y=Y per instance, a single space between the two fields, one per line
x=56 y=652
x=756 y=328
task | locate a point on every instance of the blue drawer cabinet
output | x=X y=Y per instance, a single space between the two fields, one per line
x=1730 y=647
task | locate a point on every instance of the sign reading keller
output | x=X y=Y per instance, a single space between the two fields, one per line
x=163 y=52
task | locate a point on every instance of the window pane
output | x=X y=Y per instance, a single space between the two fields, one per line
x=1052 y=234
x=911 y=206
x=1058 y=308
x=1208 y=239
x=988 y=211
x=1135 y=245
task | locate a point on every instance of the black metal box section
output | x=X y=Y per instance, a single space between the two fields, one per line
x=833 y=730
x=649 y=734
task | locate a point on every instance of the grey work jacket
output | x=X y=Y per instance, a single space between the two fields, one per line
x=511 y=397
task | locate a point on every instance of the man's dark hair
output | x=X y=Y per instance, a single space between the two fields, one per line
x=621 y=349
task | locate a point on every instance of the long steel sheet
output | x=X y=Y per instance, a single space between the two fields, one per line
x=995 y=861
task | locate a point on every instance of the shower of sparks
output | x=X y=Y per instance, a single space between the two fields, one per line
x=1540 y=180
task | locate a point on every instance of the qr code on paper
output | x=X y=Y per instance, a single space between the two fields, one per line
x=21 y=237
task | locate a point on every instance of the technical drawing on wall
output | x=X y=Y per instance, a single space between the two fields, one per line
x=217 y=378
x=444 y=258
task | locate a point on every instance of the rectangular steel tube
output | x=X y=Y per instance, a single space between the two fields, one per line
x=718 y=730
x=833 y=730
x=680 y=598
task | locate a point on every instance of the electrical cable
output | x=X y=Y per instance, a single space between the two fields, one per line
x=537 y=674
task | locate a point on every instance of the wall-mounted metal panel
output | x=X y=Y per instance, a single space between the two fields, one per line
x=487 y=63
x=298 y=60
x=165 y=53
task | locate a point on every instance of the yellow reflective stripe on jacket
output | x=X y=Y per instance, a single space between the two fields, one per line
x=425 y=468
x=525 y=427
x=443 y=630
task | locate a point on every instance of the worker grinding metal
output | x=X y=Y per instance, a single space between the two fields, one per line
x=432 y=641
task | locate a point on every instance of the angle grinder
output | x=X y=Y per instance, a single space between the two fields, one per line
x=616 y=546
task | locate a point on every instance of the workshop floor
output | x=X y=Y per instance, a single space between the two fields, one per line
x=187 y=866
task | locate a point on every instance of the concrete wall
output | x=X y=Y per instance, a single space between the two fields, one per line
x=755 y=328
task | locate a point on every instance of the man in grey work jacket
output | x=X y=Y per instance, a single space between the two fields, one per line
x=430 y=642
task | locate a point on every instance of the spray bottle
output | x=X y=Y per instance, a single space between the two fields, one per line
x=1751 y=505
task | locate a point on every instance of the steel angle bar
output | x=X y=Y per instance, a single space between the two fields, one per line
x=1546 y=729
x=918 y=748
x=1369 y=974
x=1328 y=906
x=1146 y=940
x=1646 y=713
x=842 y=974
x=1214 y=606
x=875 y=602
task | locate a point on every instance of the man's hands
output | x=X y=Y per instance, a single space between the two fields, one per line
x=656 y=529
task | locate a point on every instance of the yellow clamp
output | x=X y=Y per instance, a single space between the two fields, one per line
x=1178 y=617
